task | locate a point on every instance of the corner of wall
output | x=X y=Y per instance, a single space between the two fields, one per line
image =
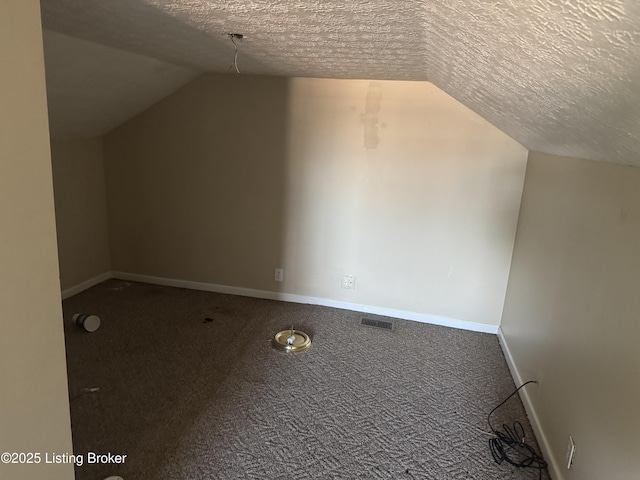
x=554 y=469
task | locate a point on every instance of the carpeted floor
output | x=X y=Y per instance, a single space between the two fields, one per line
x=184 y=398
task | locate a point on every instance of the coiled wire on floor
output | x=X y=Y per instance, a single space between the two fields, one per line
x=509 y=444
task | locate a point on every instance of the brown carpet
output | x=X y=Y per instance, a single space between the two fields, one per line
x=189 y=399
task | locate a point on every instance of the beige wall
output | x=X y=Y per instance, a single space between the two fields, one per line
x=393 y=182
x=571 y=312
x=34 y=408
x=81 y=210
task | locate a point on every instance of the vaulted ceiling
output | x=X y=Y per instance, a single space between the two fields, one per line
x=559 y=76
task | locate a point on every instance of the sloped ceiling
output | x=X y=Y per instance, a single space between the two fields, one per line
x=559 y=76
x=92 y=88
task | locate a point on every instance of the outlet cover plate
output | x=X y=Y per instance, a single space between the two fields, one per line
x=349 y=281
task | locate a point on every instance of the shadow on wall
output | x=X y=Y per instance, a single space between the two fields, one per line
x=196 y=185
x=394 y=183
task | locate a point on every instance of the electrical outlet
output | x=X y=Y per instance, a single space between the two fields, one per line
x=571 y=449
x=279 y=276
x=349 y=281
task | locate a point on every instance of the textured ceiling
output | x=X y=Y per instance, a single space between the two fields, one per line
x=559 y=76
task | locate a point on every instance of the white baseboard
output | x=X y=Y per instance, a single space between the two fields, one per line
x=289 y=297
x=554 y=468
x=286 y=297
x=81 y=287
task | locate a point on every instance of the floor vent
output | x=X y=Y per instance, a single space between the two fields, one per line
x=369 y=322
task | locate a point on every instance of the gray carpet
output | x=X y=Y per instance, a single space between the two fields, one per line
x=189 y=399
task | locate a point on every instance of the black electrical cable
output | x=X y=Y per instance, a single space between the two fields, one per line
x=509 y=445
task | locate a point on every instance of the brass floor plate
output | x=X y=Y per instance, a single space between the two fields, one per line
x=291 y=341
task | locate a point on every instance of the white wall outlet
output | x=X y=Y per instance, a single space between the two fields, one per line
x=279 y=276
x=571 y=449
x=349 y=281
